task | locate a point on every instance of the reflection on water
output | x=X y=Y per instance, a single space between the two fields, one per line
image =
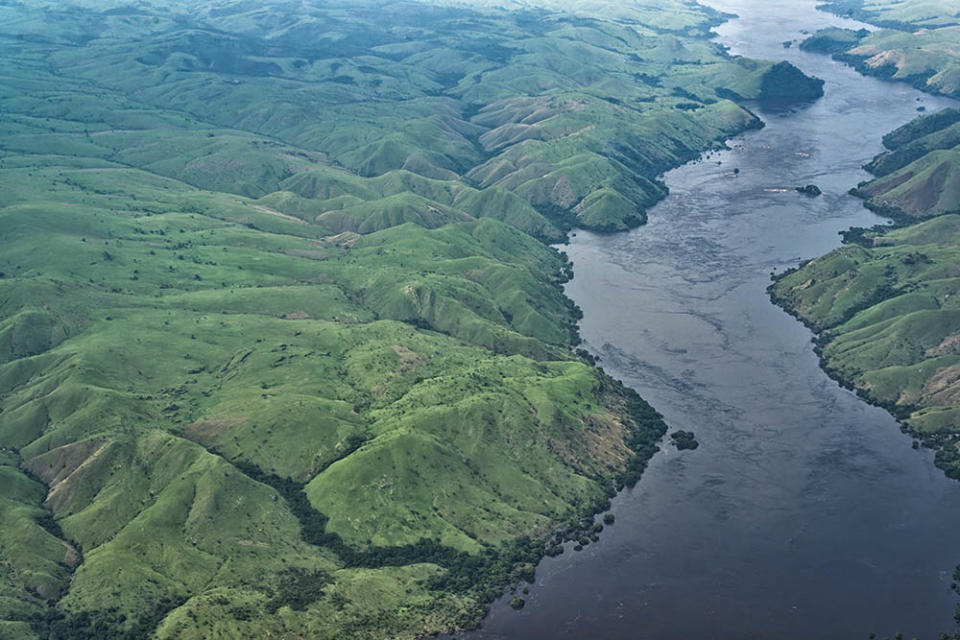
x=805 y=513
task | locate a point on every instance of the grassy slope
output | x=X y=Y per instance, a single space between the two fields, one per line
x=279 y=353
x=919 y=175
x=888 y=318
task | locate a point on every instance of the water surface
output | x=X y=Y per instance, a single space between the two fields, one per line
x=805 y=513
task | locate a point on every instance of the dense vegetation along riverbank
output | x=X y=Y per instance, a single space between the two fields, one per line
x=885 y=306
x=282 y=349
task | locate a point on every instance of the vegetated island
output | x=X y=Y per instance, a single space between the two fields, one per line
x=885 y=308
x=283 y=347
x=684 y=440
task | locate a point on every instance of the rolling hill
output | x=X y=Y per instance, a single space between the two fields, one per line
x=283 y=347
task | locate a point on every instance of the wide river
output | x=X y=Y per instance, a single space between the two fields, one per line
x=805 y=513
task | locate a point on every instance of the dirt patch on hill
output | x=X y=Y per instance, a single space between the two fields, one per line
x=206 y=430
x=274 y=212
x=949 y=346
x=943 y=389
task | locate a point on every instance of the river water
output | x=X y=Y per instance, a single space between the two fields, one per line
x=805 y=513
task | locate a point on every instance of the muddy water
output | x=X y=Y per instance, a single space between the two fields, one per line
x=805 y=513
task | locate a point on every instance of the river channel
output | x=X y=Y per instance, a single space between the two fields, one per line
x=805 y=513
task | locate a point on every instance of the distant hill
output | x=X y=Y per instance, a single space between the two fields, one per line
x=920 y=175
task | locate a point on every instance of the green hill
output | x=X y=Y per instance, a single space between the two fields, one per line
x=919 y=175
x=887 y=315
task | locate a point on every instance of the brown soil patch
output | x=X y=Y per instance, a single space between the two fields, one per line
x=274 y=212
x=409 y=360
x=950 y=345
x=600 y=448
x=57 y=464
x=924 y=196
x=252 y=543
x=206 y=430
x=345 y=239
x=474 y=274
x=943 y=389
x=880 y=187
x=64 y=487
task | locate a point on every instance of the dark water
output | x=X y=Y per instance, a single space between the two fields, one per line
x=805 y=513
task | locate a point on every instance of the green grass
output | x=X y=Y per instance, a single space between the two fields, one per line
x=283 y=346
x=579 y=88
x=887 y=314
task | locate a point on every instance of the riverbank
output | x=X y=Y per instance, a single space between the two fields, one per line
x=798 y=513
x=284 y=349
x=884 y=321
x=882 y=308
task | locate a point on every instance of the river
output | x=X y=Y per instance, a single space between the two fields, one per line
x=805 y=513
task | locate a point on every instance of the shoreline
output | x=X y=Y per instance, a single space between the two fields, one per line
x=636 y=465
x=897 y=219
x=776 y=303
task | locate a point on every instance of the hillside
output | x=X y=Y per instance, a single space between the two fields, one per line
x=912 y=16
x=926 y=58
x=283 y=349
x=887 y=315
x=919 y=175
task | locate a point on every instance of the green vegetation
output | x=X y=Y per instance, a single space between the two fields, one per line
x=283 y=348
x=684 y=440
x=883 y=305
x=920 y=175
x=887 y=315
x=916 y=45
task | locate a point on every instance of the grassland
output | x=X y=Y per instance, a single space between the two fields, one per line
x=283 y=348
